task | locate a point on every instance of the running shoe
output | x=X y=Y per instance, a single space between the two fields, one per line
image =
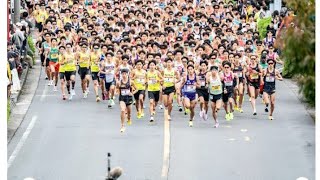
x=138 y=115
x=270 y=118
x=169 y=118
x=122 y=129
x=70 y=97
x=216 y=125
x=180 y=109
x=85 y=95
x=190 y=123
x=240 y=110
x=205 y=116
x=227 y=117
x=201 y=113
x=49 y=83
x=64 y=97
x=88 y=91
x=142 y=114
x=129 y=122
x=112 y=102
x=266 y=110
x=250 y=99
x=144 y=106
x=254 y=113
x=160 y=107
x=151 y=119
x=55 y=88
x=230 y=116
x=73 y=93
x=153 y=113
x=98 y=99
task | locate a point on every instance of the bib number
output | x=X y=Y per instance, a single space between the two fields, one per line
x=255 y=76
x=125 y=92
x=215 y=88
x=270 y=79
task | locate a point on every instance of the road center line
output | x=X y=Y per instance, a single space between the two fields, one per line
x=22 y=141
x=44 y=93
x=166 y=147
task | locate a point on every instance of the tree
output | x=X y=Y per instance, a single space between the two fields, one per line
x=297 y=42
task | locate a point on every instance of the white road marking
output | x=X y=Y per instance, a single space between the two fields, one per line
x=166 y=147
x=226 y=126
x=231 y=139
x=44 y=93
x=29 y=178
x=302 y=178
x=243 y=130
x=247 y=138
x=22 y=141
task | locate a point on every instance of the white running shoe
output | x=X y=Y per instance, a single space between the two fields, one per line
x=216 y=125
x=205 y=116
x=49 y=83
x=55 y=88
x=85 y=95
x=70 y=97
x=73 y=93
x=122 y=129
x=201 y=113
x=112 y=102
x=88 y=91
x=160 y=107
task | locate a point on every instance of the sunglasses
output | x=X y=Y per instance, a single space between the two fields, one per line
x=227 y=67
x=259 y=45
x=84 y=47
x=270 y=63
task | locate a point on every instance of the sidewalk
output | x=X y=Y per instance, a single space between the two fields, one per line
x=293 y=85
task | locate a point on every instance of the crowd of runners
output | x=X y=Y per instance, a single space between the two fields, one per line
x=205 y=53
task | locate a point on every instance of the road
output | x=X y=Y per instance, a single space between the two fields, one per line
x=62 y=140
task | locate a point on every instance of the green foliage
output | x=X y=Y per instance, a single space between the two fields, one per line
x=32 y=48
x=299 y=47
x=8 y=110
x=262 y=26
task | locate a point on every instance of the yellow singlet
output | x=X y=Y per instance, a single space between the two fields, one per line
x=94 y=59
x=140 y=80
x=84 y=59
x=168 y=78
x=70 y=62
x=153 y=81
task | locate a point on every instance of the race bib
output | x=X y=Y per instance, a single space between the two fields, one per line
x=152 y=81
x=239 y=74
x=189 y=87
x=140 y=81
x=270 y=78
x=203 y=83
x=54 y=56
x=125 y=92
x=216 y=87
x=168 y=80
x=255 y=76
x=228 y=83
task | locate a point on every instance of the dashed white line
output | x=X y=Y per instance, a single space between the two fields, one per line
x=22 y=141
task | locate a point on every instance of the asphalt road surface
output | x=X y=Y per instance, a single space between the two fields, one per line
x=63 y=140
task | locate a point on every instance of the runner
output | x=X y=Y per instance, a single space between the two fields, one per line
x=269 y=79
x=202 y=90
x=53 y=55
x=168 y=88
x=228 y=78
x=215 y=90
x=154 y=78
x=84 y=62
x=126 y=89
x=238 y=69
x=139 y=77
x=62 y=71
x=70 y=69
x=253 y=72
x=94 y=65
x=178 y=65
x=108 y=71
x=189 y=82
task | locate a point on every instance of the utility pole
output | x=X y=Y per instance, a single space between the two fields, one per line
x=16 y=11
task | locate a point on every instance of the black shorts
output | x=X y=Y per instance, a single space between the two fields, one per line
x=68 y=74
x=256 y=85
x=109 y=84
x=62 y=75
x=203 y=93
x=126 y=99
x=225 y=97
x=215 y=98
x=137 y=94
x=154 y=95
x=94 y=75
x=168 y=90
x=83 y=71
x=39 y=26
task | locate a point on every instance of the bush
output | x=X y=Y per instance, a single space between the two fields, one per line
x=262 y=26
x=32 y=48
x=298 y=47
